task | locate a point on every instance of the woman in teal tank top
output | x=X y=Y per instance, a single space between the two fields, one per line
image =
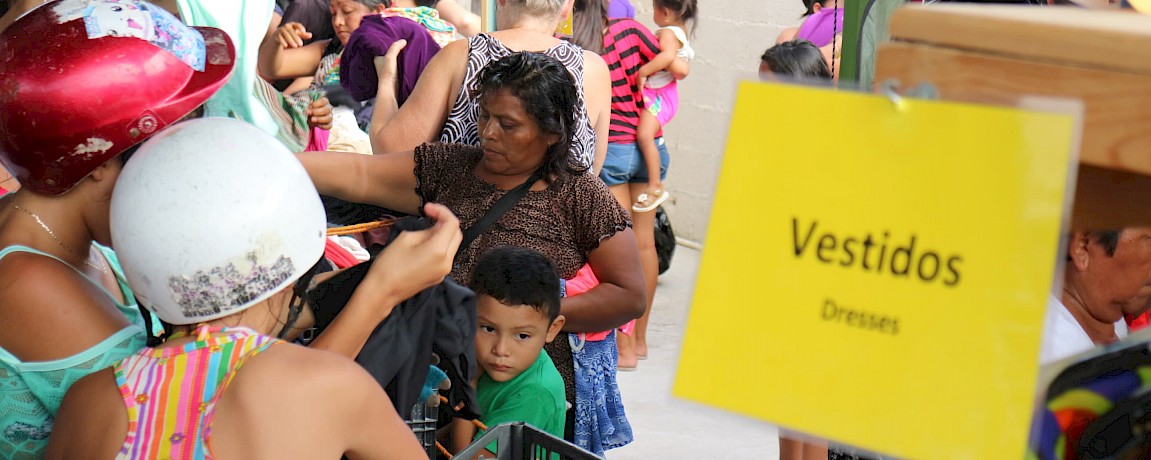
x=66 y=308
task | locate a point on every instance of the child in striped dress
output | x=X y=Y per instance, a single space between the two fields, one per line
x=227 y=267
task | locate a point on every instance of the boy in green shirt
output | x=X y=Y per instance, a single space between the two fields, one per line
x=518 y=311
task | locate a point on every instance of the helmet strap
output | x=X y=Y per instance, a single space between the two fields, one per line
x=153 y=340
x=299 y=292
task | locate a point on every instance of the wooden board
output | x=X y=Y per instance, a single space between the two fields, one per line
x=1108 y=199
x=1117 y=123
x=1094 y=39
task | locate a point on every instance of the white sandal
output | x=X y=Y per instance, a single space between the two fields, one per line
x=651 y=202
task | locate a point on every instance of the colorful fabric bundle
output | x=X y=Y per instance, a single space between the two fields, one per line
x=1090 y=407
x=442 y=31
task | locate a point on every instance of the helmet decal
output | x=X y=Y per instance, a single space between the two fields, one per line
x=69 y=10
x=94 y=146
x=218 y=48
x=206 y=292
x=133 y=18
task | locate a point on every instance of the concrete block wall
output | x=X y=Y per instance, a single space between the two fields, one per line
x=730 y=36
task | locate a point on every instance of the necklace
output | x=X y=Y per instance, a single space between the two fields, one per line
x=51 y=233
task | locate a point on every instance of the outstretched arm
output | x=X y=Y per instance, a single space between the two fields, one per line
x=382 y=180
x=420 y=120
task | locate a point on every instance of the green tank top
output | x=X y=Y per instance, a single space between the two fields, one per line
x=31 y=392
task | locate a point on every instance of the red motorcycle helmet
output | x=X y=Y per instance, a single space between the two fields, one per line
x=81 y=81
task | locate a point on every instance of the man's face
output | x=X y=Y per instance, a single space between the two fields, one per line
x=1110 y=284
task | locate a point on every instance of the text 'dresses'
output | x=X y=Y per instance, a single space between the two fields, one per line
x=854 y=317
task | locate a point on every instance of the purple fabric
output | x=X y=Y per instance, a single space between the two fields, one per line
x=375 y=35
x=620 y=9
x=818 y=27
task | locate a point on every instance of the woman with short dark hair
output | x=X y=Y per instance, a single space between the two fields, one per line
x=795 y=59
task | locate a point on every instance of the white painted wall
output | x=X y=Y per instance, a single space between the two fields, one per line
x=730 y=36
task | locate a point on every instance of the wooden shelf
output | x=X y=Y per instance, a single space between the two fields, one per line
x=1099 y=39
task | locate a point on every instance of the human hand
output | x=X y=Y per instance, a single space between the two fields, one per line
x=417 y=260
x=292 y=35
x=387 y=66
x=320 y=114
x=640 y=81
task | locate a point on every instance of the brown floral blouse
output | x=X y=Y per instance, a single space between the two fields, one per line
x=565 y=222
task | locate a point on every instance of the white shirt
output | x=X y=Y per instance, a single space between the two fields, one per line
x=1063 y=336
x=663 y=78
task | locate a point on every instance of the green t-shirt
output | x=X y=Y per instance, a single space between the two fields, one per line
x=535 y=397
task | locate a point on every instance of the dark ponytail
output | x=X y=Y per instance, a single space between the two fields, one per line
x=589 y=18
x=687 y=10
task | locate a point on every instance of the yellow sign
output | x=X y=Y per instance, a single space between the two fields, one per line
x=876 y=273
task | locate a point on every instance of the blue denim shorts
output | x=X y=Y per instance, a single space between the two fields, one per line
x=624 y=164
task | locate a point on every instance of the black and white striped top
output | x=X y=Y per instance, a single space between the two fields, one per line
x=460 y=126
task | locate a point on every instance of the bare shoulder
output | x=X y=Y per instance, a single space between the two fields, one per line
x=454 y=50
x=50 y=311
x=447 y=67
x=346 y=411
x=312 y=370
x=596 y=78
x=594 y=63
x=92 y=419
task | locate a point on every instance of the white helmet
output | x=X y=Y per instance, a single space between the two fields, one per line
x=212 y=216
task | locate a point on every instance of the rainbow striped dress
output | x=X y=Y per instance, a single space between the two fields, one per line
x=171 y=393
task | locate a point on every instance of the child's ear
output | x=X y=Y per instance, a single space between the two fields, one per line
x=555 y=328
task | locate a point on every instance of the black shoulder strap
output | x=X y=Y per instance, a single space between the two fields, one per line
x=505 y=204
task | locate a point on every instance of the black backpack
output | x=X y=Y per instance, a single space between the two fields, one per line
x=664 y=239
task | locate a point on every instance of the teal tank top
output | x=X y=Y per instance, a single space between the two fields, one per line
x=31 y=392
